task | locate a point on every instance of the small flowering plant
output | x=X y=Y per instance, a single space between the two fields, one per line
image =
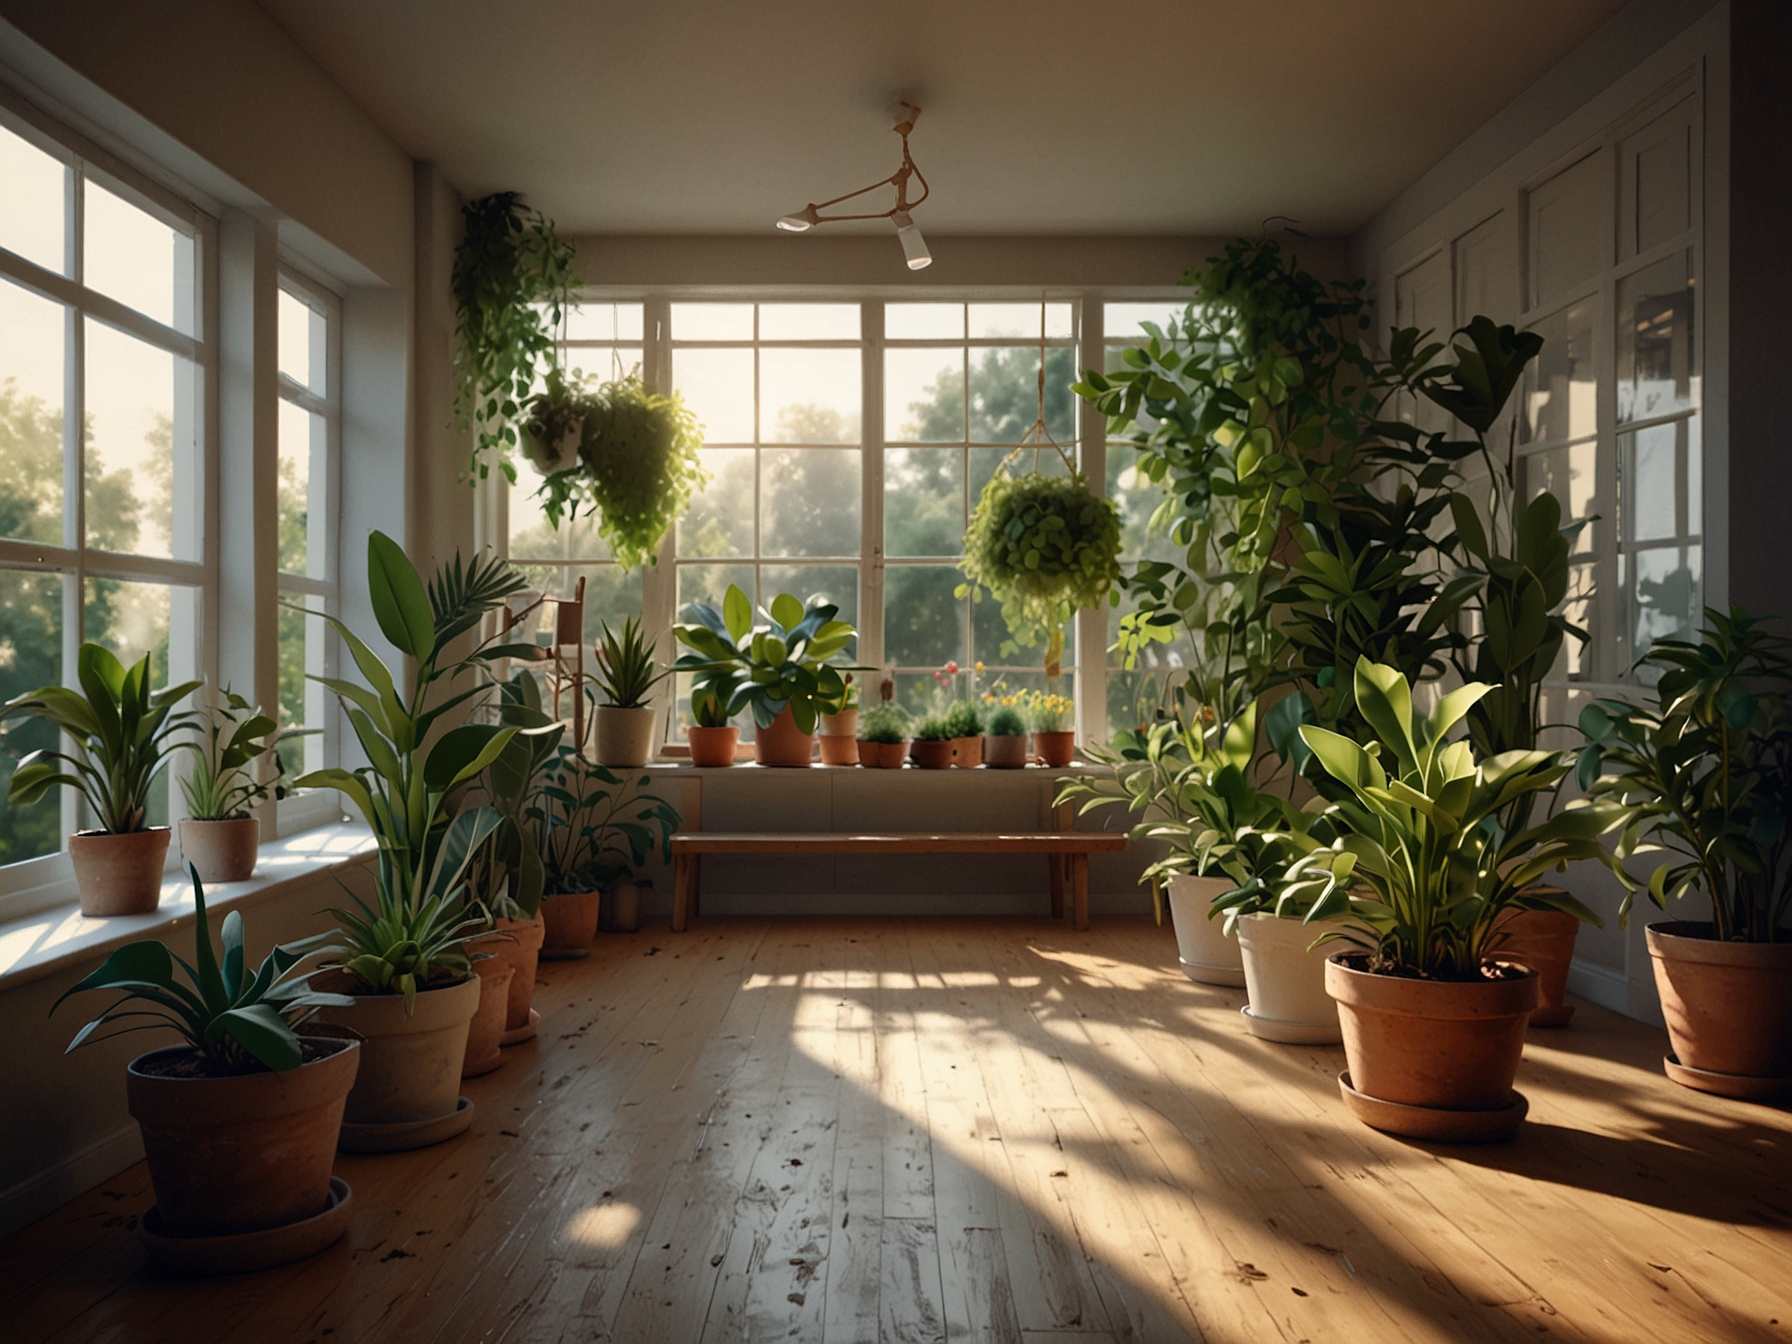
x=1047 y=713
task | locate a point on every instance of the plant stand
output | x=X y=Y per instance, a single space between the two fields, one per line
x=245 y=1252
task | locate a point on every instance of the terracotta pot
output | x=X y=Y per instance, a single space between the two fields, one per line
x=1728 y=1005
x=624 y=736
x=1055 y=748
x=1285 y=982
x=1544 y=941
x=119 y=874
x=967 y=752
x=623 y=904
x=1005 y=753
x=234 y=1155
x=222 y=851
x=1208 y=957
x=410 y=1063
x=1430 y=1043
x=883 y=755
x=517 y=943
x=570 y=920
x=782 y=744
x=839 y=749
x=843 y=724
x=712 y=746
x=484 y=1033
x=931 y=755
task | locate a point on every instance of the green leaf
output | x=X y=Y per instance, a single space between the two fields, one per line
x=787 y=611
x=261 y=1031
x=400 y=603
x=737 y=612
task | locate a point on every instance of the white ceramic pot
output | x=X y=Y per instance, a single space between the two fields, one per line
x=624 y=736
x=1285 y=982
x=1208 y=956
x=410 y=1066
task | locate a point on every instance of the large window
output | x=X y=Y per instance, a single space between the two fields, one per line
x=102 y=366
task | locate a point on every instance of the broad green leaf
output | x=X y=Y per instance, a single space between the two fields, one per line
x=400 y=604
x=737 y=612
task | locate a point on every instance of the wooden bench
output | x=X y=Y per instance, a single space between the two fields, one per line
x=1068 y=852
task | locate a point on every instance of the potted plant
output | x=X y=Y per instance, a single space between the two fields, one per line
x=840 y=729
x=402 y=957
x=1005 y=739
x=712 y=736
x=964 y=720
x=219 y=836
x=239 y=1122
x=1705 y=777
x=931 y=748
x=1422 y=874
x=883 y=736
x=120 y=730
x=625 y=677
x=594 y=828
x=1049 y=716
x=779 y=666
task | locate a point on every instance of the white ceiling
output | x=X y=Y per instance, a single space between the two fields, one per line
x=1041 y=116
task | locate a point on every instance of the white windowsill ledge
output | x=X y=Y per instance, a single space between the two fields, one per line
x=35 y=945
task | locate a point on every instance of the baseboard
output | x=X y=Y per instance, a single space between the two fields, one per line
x=48 y=1191
x=1601 y=984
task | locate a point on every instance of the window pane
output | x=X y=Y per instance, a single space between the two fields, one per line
x=809 y=322
x=1138 y=497
x=712 y=321
x=131 y=618
x=709 y=583
x=1126 y=321
x=924 y=625
x=531 y=538
x=30 y=657
x=141 y=475
x=1019 y=319
x=1570 y=475
x=302 y=446
x=1005 y=394
x=1654 y=461
x=838 y=584
x=605 y=363
x=984 y=462
x=612 y=594
x=301 y=702
x=923 y=501
x=720 y=520
x=303 y=352
x=924 y=396
x=33 y=202
x=604 y=322
x=1560 y=396
x=809 y=498
x=718 y=387
x=1655 y=358
x=31 y=462
x=138 y=260
x=994 y=645
x=923 y=321
x=1666 y=597
x=809 y=396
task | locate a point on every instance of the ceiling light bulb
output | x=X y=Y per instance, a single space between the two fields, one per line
x=914 y=247
x=799 y=222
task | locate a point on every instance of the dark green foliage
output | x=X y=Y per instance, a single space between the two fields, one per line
x=780 y=661
x=1006 y=721
x=591 y=824
x=964 y=719
x=934 y=728
x=885 y=722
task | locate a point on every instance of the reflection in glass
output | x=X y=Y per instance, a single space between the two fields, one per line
x=1656 y=462
x=924 y=396
x=137 y=259
x=31 y=427
x=712 y=322
x=924 y=321
x=719 y=521
x=1655 y=354
x=809 y=501
x=141 y=450
x=31 y=207
x=923 y=501
x=1560 y=395
x=718 y=387
x=1665 y=597
x=809 y=396
x=30 y=656
x=924 y=625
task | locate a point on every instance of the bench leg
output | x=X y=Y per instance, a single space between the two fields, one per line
x=684 y=889
x=1056 y=863
x=1079 y=891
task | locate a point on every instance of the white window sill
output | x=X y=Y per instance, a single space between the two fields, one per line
x=34 y=945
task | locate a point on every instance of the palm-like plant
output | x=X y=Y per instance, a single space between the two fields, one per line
x=625 y=666
x=779 y=662
x=1425 y=870
x=120 y=730
x=230 y=740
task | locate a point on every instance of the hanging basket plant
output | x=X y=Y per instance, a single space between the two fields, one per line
x=626 y=454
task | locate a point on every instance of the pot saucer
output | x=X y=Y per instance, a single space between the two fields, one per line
x=1552 y=1017
x=1292 y=1033
x=522 y=1033
x=1738 y=1086
x=245 y=1252
x=1435 y=1124
x=487 y=1065
x=564 y=953
x=403 y=1135
x=1229 y=977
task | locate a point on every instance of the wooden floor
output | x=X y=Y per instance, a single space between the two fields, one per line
x=979 y=1129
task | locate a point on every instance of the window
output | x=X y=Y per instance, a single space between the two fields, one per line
x=309 y=432
x=102 y=385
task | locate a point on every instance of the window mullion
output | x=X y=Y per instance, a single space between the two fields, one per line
x=1091 y=678
x=871 y=497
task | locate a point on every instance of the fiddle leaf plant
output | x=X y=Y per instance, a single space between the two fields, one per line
x=780 y=661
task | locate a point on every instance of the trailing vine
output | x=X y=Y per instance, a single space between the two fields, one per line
x=512 y=283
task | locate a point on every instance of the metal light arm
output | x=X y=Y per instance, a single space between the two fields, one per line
x=811 y=213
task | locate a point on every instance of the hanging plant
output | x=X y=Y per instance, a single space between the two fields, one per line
x=627 y=454
x=512 y=283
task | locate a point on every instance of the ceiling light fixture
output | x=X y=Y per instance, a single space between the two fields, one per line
x=914 y=247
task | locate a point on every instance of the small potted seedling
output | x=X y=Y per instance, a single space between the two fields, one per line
x=625 y=677
x=220 y=833
x=840 y=729
x=964 y=720
x=883 y=736
x=932 y=745
x=1005 y=739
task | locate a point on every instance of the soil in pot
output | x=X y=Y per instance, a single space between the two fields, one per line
x=1544 y=941
x=782 y=744
x=222 y=851
x=1285 y=981
x=1728 y=1007
x=1055 y=748
x=1208 y=957
x=967 y=752
x=931 y=755
x=517 y=942
x=1005 y=753
x=486 y=1031
x=624 y=736
x=712 y=746
x=410 y=1063
x=839 y=749
x=240 y=1153
x=883 y=755
x=119 y=874
x=570 y=920
x=1433 y=1044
